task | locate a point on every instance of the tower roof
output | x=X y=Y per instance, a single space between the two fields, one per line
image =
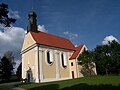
x=32 y=13
x=32 y=22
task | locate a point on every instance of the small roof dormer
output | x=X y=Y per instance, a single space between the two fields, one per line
x=32 y=22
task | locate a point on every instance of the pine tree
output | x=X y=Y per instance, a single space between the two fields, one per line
x=6 y=68
x=19 y=71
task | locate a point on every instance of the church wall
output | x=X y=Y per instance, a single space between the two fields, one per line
x=73 y=68
x=28 y=41
x=54 y=71
x=49 y=71
x=64 y=72
x=28 y=62
x=80 y=71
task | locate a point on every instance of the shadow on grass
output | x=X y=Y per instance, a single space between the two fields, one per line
x=46 y=87
x=82 y=86
x=92 y=87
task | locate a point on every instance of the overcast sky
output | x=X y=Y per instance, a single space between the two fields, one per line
x=90 y=22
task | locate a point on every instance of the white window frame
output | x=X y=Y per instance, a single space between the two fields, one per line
x=51 y=57
x=64 y=60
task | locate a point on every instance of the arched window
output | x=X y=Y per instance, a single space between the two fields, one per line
x=49 y=57
x=63 y=60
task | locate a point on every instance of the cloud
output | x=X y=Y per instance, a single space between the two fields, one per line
x=108 y=39
x=11 y=39
x=42 y=28
x=70 y=35
x=13 y=14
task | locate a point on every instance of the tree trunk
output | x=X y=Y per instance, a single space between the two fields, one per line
x=106 y=71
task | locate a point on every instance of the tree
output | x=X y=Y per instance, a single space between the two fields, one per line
x=115 y=49
x=102 y=57
x=9 y=55
x=6 y=68
x=87 y=61
x=6 y=65
x=4 y=18
x=107 y=58
x=19 y=71
x=0 y=69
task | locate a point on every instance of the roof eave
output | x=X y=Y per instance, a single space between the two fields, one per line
x=84 y=46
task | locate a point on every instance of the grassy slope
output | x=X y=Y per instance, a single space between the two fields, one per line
x=86 y=83
x=5 y=84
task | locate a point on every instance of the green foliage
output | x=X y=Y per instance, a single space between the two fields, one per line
x=86 y=59
x=106 y=57
x=6 y=66
x=19 y=72
x=4 y=18
x=10 y=56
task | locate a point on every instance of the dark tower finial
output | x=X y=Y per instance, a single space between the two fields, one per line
x=32 y=22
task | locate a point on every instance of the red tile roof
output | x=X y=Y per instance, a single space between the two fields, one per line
x=77 y=52
x=43 y=38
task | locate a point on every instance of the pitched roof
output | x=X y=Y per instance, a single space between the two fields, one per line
x=77 y=52
x=43 y=38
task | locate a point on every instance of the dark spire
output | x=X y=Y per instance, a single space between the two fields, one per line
x=32 y=22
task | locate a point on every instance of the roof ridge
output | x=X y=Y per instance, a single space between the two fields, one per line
x=53 y=35
x=80 y=45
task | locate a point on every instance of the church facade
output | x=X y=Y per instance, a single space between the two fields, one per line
x=46 y=57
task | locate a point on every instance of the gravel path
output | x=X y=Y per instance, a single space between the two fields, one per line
x=10 y=87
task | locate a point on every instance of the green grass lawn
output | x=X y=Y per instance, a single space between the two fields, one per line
x=85 y=83
x=4 y=84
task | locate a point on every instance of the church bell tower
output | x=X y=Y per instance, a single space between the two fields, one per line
x=32 y=22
